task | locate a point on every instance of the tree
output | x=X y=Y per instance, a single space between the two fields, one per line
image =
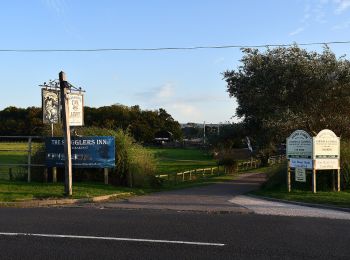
x=283 y=89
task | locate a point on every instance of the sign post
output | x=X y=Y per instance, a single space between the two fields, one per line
x=299 y=154
x=326 y=153
x=66 y=133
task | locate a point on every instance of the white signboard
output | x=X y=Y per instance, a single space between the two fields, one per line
x=326 y=145
x=300 y=163
x=299 y=145
x=300 y=175
x=326 y=164
x=76 y=109
x=50 y=106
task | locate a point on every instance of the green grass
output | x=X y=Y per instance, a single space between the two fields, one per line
x=341 y=199
x=19 y=191
x=276 y=187
x=173 y=160
x=11 y=191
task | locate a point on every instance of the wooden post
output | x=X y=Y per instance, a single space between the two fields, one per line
x=183 y=176
x=29 y=157
x=338 y=180
x=66 y=132
x=333 y=180
x=212 y=170
x=190 y=175
x=289 y=186
x=54 y=174
x=105 y=171
x=314 y=179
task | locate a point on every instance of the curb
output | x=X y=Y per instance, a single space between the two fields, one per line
x=305 y=204
x=57 y=202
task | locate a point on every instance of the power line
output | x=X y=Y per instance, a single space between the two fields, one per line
x=175 y=48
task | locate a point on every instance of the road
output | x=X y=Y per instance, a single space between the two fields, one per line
x=245 y=236
x=196 y=223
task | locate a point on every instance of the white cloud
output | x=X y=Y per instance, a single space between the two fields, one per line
x=165 y=91
x=158 y=94
x=341 y=6
x=186 y=111
x=297 y=31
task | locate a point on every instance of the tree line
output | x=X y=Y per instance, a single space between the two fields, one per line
x=143 y=125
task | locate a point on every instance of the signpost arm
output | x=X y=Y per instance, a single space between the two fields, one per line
x=66 y=132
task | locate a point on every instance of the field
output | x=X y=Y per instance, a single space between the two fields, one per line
x=174 y=160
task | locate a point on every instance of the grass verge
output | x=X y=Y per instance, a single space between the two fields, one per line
x=12 y=191
x=276 y=187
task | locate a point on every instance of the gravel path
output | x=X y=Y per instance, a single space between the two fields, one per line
x=265 y=207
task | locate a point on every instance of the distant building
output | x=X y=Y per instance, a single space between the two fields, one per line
x=162 y=137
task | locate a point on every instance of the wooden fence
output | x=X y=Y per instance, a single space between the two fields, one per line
x=189 y=175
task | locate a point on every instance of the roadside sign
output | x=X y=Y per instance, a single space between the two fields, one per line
x=301 y=163
x=326 y=164
x=326 y=145
x=300 y=175
x=299 y=145
x=87 y=152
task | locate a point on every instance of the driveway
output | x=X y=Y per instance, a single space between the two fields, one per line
x=211 y=198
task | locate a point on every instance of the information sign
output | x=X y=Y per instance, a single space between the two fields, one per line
x=87 y=152
x=300 y=175
x=299 y=145
x=326 y=145
x=301 y=163
x=326 y=164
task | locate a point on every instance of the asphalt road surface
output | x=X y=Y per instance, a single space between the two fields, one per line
x=91 y=233
x=211 y=222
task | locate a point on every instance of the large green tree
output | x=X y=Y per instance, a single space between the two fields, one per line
x=283 y=89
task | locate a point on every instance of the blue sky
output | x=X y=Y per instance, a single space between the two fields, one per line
x=188 y=84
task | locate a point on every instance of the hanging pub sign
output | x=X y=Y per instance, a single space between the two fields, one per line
x=87 y=152
x=50 y=106
x=76 y=109
x=299 y=145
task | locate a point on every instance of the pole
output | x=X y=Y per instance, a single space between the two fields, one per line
x=338 y=180
x=105 y=171
x=29 y=158
x=314 y=178
x=66 y=132
x=288 y=178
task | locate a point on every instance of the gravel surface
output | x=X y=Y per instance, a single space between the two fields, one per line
x=265 y=207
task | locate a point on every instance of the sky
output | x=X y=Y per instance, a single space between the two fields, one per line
x=188 y=84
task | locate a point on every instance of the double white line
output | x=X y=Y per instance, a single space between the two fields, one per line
x=112 y=239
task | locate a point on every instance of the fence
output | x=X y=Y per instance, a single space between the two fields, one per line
x=16 y=153
x=276 y=159
x=189 y=175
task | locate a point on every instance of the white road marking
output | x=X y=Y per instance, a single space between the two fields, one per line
x=112 y=238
